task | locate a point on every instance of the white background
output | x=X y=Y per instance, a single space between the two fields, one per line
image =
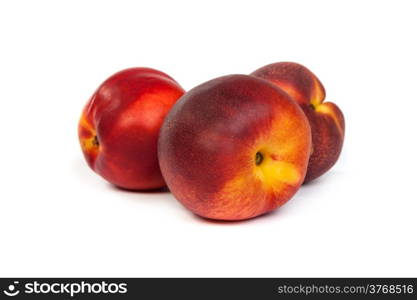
x=58 y=218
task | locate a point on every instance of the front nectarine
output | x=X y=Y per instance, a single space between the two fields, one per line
x=234 y=148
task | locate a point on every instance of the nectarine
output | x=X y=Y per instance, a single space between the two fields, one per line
x=234 y=148
x=326 y=119
x=119 y=126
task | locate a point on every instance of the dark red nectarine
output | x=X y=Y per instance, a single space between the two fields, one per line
x=326 y=119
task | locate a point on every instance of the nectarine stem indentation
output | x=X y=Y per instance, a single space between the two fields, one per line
x=258 y=158
x=95 y=141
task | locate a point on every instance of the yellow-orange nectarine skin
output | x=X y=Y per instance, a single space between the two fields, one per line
x=209 y=142
x=119 y=126
x=326 y=119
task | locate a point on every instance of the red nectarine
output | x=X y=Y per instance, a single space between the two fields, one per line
x=119 y=126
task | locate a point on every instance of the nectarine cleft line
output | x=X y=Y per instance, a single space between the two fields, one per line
x=252 y=139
